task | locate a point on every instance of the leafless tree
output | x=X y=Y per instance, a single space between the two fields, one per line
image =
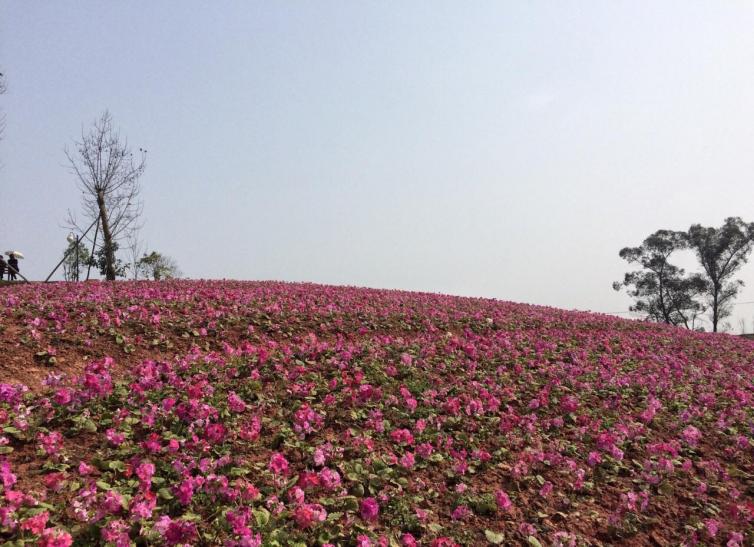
x=136 y=248
x=108 y=176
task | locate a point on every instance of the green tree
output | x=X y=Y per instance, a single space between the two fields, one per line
x=73 y=265
x=109 y=270
x=158 y=266
x=721 y=252
x=661 y=290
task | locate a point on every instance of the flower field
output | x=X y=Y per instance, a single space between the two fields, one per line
x=247 y=414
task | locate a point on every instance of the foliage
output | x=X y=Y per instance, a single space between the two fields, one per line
x=157 y=266
x=231 y=413
x=660 y=289
x=100 y=261
x=721 y=252
x=74 y=264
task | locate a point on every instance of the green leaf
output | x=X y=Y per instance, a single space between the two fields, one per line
x=6 y=449
x=496 y=538
x=238 y=471
x=165 y=494
x=261 y=516
x=332 y=517
x=116 y=465
x=350 y=503
x=104 y=485
x=193 y=517
x=10 y=430
x=534 y=542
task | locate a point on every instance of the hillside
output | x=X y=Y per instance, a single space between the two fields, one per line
x=239 y=413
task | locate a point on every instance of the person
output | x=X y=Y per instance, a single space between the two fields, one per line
x=12 y=267
x=3 y=265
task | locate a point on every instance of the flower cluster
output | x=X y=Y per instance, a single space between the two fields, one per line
x=250 y=414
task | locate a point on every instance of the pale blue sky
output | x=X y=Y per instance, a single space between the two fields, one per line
x=504 y=149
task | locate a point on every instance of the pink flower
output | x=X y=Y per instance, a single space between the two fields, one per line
x=503 y=501
x=145 y=471
x=319 y=457
x=278 y=464
x=402 y=436
x=36 y=524
x=330 y=479
x=51 y=443
x=116 y=531
x=712 y=527
x=594 y=458
x=113 y=502
x=691 y=435
x=235 y=403
x=185 y=491
x=115 y=438
x=52 y=537
x=250 y=430
x=215 y=433
x=460 y=513
x=736 y=539
x=407 y=540
x=425 y=450
x=85 y=468
x=546 y=489
x=63 y=396
x=369 y=509
x=407 y=460
x=308 y=514
x=306 y=420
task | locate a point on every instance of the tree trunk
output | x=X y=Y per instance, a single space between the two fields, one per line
x=715 y=313
x=107 y=237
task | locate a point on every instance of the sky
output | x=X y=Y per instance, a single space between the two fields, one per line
x=496 y=149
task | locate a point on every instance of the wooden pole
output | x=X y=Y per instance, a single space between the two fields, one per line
x=65 y=255
x=94 y=246
x=17 y=273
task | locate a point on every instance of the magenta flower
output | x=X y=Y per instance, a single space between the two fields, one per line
x=63 y=396
x=369 y=509
x=36 y=524
x=52 y=537
x=215 y=433
x=309 y=514
x=235 y=403
x=407 y=460
x=712 y=527
x=51 y=443
x=145 y=472
x=691 y=435
x=278 y=464
x=594 y=458
x=503 y=501
x=460 y=513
